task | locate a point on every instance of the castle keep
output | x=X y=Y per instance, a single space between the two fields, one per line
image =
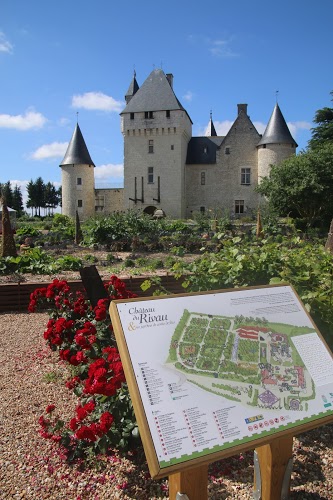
x=165 y=168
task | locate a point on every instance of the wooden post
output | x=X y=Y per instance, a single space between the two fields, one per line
x=93 y=284
x=191 y=482
x=272 y=481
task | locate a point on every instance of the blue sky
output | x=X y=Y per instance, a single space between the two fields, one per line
x=61 y=57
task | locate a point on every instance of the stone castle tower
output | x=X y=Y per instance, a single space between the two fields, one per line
x=156 y=130
x=165 y=168
x=77 y=177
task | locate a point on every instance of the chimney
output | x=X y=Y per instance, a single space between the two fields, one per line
x=242 y=107
x=170 y=79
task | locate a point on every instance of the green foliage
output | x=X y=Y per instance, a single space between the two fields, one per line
x=37 y=261
x=302 y=186
x=245 y=262
x=323 y=132
x=91 y=258
x=27 y=230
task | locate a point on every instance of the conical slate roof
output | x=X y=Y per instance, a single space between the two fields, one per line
x=77 y=152
x=277 y=130
x=132 y=89
x=210 y=130
x=155 y=94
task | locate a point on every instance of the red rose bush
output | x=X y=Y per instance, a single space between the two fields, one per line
x=83 y=337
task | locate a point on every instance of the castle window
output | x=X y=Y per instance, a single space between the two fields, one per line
x=239 y=206
x=227 y=151
x=149 y=115
x=79 y=204
x=132 y=116
x=203 y=178
x=167 y=113
x=246 y=176
x=205 y=150
x=174 y=130
x=172 y=147
x=264 y=146
x=99 y=203
x=150 y=146
x=202 y=210
x=150 y=175
x=79 y=181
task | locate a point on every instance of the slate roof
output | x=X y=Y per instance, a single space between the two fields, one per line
x=277 y=130
x=155 y=94
x=77 y=152
x=202 y=150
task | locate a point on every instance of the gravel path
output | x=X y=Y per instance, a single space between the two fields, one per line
x=33 y=468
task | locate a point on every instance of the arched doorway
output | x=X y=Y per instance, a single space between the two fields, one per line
x=150 y=210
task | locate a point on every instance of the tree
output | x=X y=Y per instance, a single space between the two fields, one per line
x=17 y=203
x=51 y=197
x=40 y=193
x=32 y=199
x=302 y=186
x=7 y=192
x=323 y=132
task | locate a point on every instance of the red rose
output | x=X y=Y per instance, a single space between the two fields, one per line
x=50 y=408
x=73 y=424
x=85 y=433
x=105 y=422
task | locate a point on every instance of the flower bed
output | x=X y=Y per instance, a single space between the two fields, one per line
x=83 y=337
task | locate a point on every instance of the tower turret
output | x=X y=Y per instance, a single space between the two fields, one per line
x=132 y=89
x=276 y=144
x=77 y=172
x=210 y=130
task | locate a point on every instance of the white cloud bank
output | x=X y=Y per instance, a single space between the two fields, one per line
x=5 y=45
x=53 y=150
x=30 y=120
x=109 y=170
x=97 y=101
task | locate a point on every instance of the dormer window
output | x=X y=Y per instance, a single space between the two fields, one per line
x=149 y=115
x=205 y=150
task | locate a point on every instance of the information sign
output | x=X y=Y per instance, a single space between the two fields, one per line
x=212 y=374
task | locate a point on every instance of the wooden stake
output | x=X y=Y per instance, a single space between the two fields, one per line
x=192 y=482
x=274 y=458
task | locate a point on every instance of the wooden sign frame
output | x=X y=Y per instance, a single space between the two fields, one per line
x=123 y=328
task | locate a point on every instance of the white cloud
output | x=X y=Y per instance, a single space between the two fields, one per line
x=53 y=150
x=97 y=101
x=260 y=127
x=5 y=45
x=221 y=48
x=295 y=127
x=109 y=170
x=30 y=120
x=188 y=96
x=222 y=128
x=63 y=122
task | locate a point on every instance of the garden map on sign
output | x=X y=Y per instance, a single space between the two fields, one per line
x=244 y=359
x=215 y=371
